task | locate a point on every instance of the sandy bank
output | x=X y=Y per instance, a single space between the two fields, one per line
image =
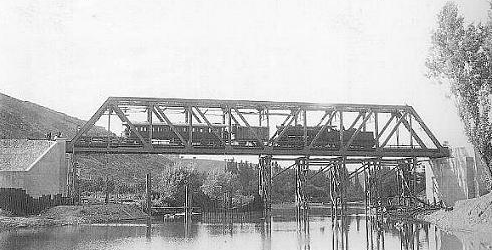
x=72 y=215
x=468 y=215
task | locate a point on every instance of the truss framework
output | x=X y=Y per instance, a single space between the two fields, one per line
x=368 y=169
x=386 y=122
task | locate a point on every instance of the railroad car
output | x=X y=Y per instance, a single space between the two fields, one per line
x=245 y=136
x=293 y=137
x=202 y=134
x=163 y=134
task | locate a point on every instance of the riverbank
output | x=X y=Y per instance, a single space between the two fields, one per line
x=467 y=215
x=72 y=215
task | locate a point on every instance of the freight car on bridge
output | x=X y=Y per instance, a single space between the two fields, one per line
x=329 y=139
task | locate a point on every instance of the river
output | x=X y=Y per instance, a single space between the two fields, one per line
x=247 y=231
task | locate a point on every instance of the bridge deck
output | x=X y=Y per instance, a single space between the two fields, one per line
x=241 y=127
x=387 y=152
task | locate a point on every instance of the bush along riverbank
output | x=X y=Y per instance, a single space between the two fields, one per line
x=73 y=215
x=467 y=215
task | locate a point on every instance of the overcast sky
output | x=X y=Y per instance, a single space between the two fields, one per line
x=71 y=55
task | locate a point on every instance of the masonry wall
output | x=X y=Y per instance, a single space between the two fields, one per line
x=47 y=175
x=447 y=180
x=452 y=179
x=12 y=179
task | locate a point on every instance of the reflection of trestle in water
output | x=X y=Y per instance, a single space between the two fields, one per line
x=231 y=217
x=303 y=239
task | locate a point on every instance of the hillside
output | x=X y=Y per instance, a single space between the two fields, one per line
x=22 y=119
x=132 y=168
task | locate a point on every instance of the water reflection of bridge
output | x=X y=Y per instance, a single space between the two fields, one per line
x=328 y=137
x=348 y=231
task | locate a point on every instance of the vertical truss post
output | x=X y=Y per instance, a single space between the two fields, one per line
x=341 y=129
x=376 y=129
x=109 y=128
x=304 y=125
x=190 y=126
x=370 y=181
x=343 y=183
x=398 y=186
x=150 y=108
x=366 y=188
x=265 y=182
x=267 y=119
x=379 y=181
x=410 y=129
x=414 y=174
x=336 y=191
x=302 y=168
x=229 y=126
x=260 y=118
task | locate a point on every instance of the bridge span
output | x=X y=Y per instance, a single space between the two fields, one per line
x=237 y=127
x=331 y=136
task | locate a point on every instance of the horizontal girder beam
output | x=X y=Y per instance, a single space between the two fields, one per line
x=212 y=103
x=267 y=151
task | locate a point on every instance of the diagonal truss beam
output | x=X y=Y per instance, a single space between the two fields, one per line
x=214 y=129
x=195 y=116
x=355 y=121
x=276 y=131
x=413 y=133
x=426 y=129
x=320 y=132
x=123 y=118
x=321 y=170
x=284 y=129
x=260 y=142
x=400 y=120
x=89 y=124
x=283 y=171
x=352 y=138
x=162 y=117
x=385 y=127
x=327 y=113
x=364 y=166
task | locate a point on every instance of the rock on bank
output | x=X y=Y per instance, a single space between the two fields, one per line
x=470 y=215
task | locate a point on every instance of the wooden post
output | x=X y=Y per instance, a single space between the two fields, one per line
x=148 y=191
x=186 y=210
x=106 y=190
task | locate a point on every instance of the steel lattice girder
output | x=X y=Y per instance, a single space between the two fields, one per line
x=392 y=119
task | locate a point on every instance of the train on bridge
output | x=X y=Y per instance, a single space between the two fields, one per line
x=242 y=127
x=204 y=136
x=242 y=136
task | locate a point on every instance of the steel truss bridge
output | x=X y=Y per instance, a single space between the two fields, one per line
x=399 y=137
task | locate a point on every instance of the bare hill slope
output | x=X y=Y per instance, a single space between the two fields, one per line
x=22 y=119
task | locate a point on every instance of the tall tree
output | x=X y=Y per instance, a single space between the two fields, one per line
x=461 y=57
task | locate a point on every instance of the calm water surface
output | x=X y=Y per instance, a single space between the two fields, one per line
x=247 y=231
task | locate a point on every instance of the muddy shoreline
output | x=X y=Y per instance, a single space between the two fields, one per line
x=75 y=215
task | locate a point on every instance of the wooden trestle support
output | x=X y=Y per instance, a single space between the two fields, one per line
x=265 y=182
x=377 y=198
x=302 y=168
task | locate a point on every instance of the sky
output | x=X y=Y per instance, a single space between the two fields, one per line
x=71 y=55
